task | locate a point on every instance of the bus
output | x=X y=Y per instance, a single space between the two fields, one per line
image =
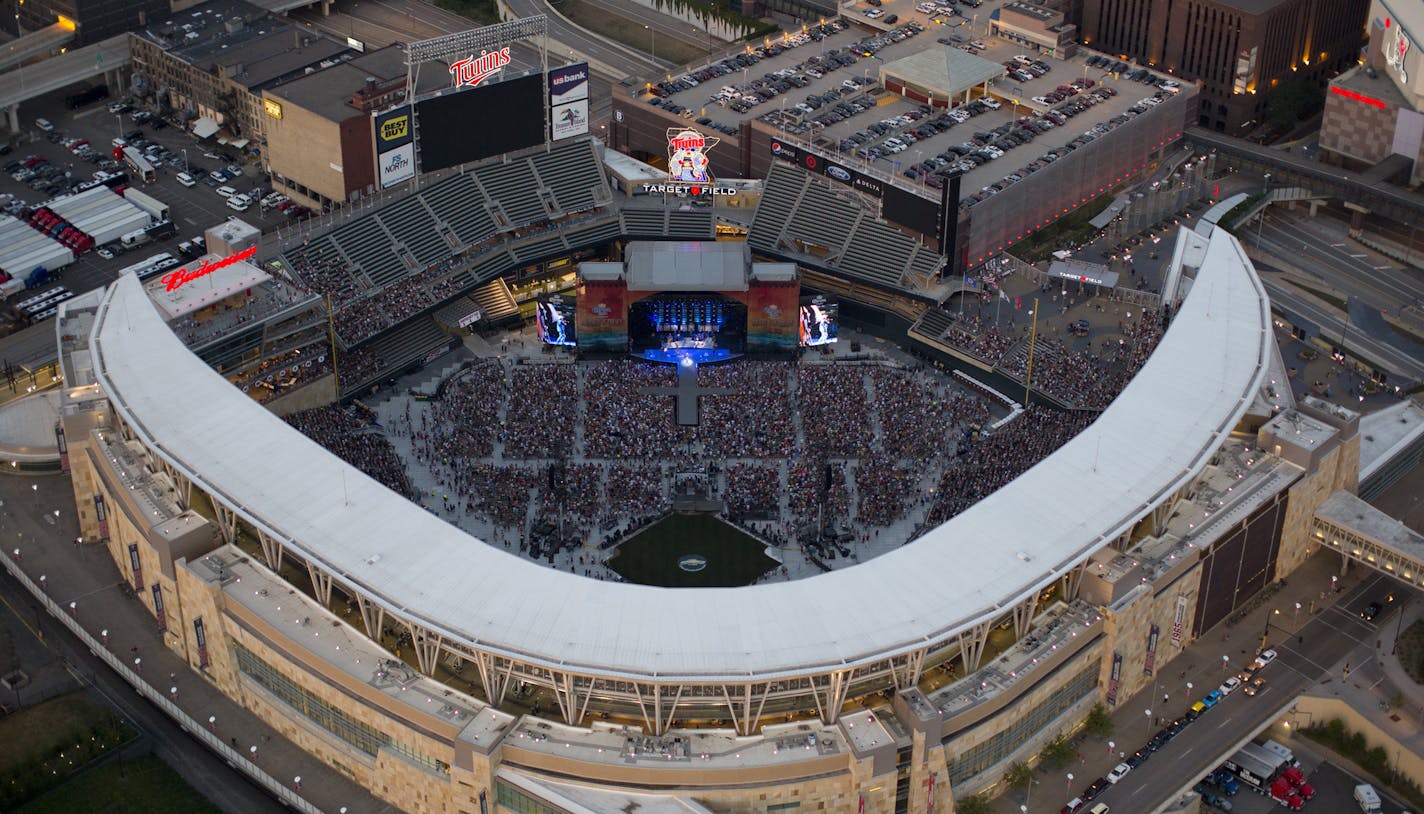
x=139 y=166
x=157 y=264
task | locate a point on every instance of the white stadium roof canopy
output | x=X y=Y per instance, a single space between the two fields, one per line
x=1153 y=439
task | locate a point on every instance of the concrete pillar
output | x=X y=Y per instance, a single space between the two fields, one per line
x=326 y=8
x=12 y=118
x=1314 y=207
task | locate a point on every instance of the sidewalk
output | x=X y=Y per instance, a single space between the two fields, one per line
x=39 y=524
x=1199 y=664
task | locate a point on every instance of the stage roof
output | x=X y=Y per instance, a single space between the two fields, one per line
x=686 y=266
x=1152 y=440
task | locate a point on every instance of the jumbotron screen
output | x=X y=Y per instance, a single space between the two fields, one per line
x=471 y=125
x=820 y=324
x=556 y=322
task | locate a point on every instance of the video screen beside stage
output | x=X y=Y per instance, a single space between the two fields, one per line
x=470 y=125
x=820 y=324
x=555 y=319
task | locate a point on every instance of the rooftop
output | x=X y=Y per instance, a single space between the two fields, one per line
x=327 y=93
x=948 y=71
x=1348 y=511
x=240 y=41
x=1385 y=433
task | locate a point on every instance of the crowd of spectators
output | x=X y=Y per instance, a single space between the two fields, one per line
x=1086 y=379
x=834 y=417
x=584 y=450
x=622 y=421
x=352 y=434
x=321 y=268
x=538 y=422
x=756 y=419
x=991 y=461
x=985 y=342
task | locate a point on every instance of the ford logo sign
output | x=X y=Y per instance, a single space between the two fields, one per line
x=838 y=173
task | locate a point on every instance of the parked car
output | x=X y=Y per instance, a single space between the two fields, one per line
x=226 y=192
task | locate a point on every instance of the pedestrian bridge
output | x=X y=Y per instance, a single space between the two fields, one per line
x=1364 y=534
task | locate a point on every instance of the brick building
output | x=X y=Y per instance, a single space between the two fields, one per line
x=1237 y=49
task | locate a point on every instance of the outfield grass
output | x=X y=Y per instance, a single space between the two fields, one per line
x=651 y=558
x=143 y=786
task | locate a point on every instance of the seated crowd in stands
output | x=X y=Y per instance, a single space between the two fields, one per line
x=351 y=434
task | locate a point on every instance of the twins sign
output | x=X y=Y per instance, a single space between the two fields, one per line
x=687 y=155
x=473 y=70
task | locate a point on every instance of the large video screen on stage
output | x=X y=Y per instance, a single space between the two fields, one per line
x=820 y=324
x=556 y=322
x=470 y=125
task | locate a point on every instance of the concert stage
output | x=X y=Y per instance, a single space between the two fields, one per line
x=672 y=356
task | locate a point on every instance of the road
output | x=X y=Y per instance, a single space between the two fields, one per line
x=1319 y=246
x=1307 y=656
x=1335 y=328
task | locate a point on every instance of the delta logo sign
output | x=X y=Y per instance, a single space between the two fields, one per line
x=687 y=166
x=174 y=280
x=473 y=70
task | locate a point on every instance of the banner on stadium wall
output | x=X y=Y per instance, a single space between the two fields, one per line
x=830 y=168
x=568 y=101
x=200 y=636
x=135 y=567
x=101 y=514
x=63 y=447
x=1150 y=662
x=1114 y=678
x=394 y=134
x=773 y=316
x=601 y=319
x=158 y=612
x=1179 y=620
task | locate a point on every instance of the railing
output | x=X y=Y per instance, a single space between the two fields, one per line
x=197 y=730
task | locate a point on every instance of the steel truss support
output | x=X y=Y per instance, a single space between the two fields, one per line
x=746 y=705
x=1023 y=615
x=321 y=584
x=271 y=550
x=494 y=675
x=1072 y=581
x=1123 y=541
x=227 y=523
x=573 y=694
x=427 y=647
x=180 y=482
x=373 y=616
x=971 y=646
x=658 y=710
x=907 y=668
x=829 y=691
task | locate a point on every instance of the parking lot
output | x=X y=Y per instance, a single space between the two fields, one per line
x=820 y=86
x=193 y=209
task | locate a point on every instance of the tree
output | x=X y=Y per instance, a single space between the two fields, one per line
x=1098 y=723
x=1018 y=776
x=1293 y=101
x=1058 y=752
x=973 y=804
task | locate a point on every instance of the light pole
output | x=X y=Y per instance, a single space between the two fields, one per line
x=186 y=169
x=1148 y=714
x=1261 y=219
x=652 y=42
x=1111 y=747
x=1070 y=783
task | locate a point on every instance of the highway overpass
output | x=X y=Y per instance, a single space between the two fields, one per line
x=23 y=83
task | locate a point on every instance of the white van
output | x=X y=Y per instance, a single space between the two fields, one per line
x=185 y=179
x=239 y=202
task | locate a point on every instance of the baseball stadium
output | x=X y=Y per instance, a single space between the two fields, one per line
x=373 y=483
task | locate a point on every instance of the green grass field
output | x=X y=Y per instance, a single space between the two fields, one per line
x=143 y=786
x=652 y=557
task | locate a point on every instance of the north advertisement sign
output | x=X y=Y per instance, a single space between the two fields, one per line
x=394 y=133
x=396 y=166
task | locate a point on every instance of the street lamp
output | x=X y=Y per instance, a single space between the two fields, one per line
x=1070 y=782
x=652 y=41
x=1148 y=713
x=186 y=169
x=1111 y=747
x=212 y=723
x=1261 y=219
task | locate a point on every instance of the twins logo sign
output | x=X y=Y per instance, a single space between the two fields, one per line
x=1396 y=48
x=687 y=155
x=473 y=70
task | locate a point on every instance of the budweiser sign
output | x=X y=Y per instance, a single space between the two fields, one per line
x=174 y=280
x=473 y=70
